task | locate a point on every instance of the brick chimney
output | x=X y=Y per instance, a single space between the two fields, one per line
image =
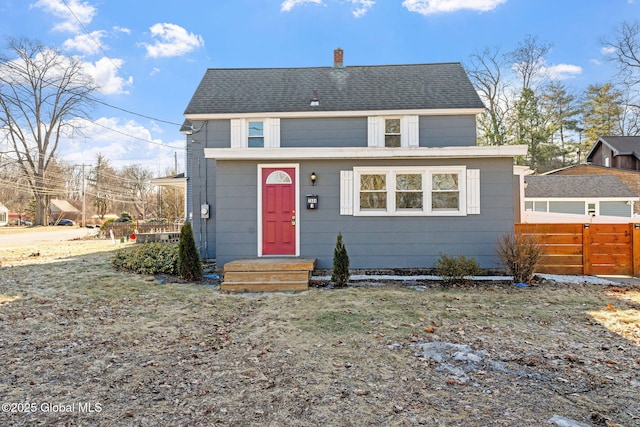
x=338 y=58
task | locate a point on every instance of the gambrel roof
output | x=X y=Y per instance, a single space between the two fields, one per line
x=351 y=88
x=575 y=186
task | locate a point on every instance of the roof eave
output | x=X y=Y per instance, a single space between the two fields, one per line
x=324 y=114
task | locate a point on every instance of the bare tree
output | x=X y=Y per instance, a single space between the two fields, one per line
x=138 y=187
x=528 y=59
x=485 y=70
x=625 y=47
x=41 y=91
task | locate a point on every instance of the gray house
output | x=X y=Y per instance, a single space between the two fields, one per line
x=280 y=160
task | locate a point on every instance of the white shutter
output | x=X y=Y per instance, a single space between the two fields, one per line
x=238 y=139
x=271 y=133
x=375 y=131
x=410 y=130
x=473 y=191
x=346 y=192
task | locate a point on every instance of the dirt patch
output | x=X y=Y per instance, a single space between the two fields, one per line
x=83 y=344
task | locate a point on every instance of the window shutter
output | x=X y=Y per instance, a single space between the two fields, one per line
x=346 y=192
x=473 y=191
x=374 y=129
x=272 y=133
x=409 y=129
x=238 y=133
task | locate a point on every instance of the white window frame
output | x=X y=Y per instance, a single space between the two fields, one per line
x=426 y=172
x=240 y=132
x=409 y=131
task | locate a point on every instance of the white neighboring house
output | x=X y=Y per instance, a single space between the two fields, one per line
x=577 y=199
x=4 y=215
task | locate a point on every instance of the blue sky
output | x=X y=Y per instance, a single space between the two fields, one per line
x=149 y=55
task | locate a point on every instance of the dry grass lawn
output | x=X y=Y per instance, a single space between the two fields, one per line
x=82 y=344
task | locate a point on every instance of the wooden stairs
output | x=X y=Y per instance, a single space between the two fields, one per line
x=267 y=274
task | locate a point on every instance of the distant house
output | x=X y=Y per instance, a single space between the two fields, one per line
x=177 y=181
x=281 y=160
x=577 y=198
x=618 y=152
x=62 y=209
x=4 y=215
x=630 y=178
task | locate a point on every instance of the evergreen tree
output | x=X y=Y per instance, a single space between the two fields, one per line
x=340 y=274
x=601 y=113
x=189 y=263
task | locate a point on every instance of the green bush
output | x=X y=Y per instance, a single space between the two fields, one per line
x=520 y=255
x=189 y=263
x=147 y=258
x=124 y=217
x=340 y=274
x=104 y=225
x=456 y=270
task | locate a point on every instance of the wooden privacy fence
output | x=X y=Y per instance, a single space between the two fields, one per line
x=592 y=249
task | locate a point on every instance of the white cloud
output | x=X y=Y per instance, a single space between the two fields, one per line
x=88 y=44
x=561 y=71
x=105 y=74
x=608 y=50
x=430 y=7
x=171 y=40
x=123 y=142
x=287 y=5
x=74 y=14
x=122 y=30
x=362 y=7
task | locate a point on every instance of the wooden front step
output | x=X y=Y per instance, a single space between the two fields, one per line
x=268 y=274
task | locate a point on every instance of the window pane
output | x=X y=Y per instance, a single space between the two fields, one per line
x=256 y=129
x=371 y=200
x=392 y=126
x=409 y=200
x=255 y=142
x=444 y=200
x=445 y=181
x=411 y=181
x=373 y=182
x=392 y=140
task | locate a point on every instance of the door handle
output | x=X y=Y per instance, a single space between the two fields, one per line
x=293 y=220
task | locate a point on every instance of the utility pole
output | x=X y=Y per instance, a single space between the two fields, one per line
x=84 y=198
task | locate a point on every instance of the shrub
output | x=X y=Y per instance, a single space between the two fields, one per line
x=105 y=224
x=189 y=263
x=520 y=255
x=340 y=274
x=456 y=270
x=124 y=217
x=147 y=258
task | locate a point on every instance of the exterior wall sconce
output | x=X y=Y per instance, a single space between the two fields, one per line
x=313 y=177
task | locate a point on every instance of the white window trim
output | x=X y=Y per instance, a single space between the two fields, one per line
x=409 y=131
x=426 y=210
x=240 y=132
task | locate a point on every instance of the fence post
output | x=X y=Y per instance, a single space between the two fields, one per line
x=586 y=249
x=635 y=249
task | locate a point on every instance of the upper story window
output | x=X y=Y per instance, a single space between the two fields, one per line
x=393 y=132
x=255 y=135
x=251 y=133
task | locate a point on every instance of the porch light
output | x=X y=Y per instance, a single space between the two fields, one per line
x=313 y=177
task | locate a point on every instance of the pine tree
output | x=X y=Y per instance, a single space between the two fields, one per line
x=189 y=263
x=340 y=274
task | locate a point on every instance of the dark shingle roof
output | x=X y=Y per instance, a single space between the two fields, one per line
x=575 y=186
x=356 y=88
x=624 y=145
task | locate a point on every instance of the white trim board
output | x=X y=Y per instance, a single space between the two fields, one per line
x=364 y=153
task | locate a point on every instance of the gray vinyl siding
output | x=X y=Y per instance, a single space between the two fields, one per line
x=372 y=242
x=567 y=207
x=615 y=208
x=201 y=182
x=330 y=132
x=447 y=131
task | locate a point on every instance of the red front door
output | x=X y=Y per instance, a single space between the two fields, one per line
x=278 y=211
